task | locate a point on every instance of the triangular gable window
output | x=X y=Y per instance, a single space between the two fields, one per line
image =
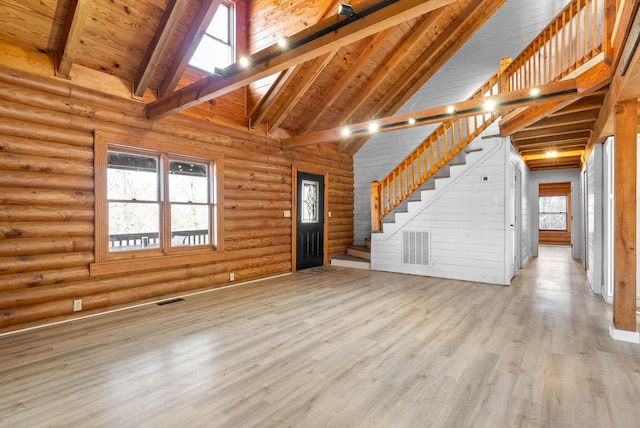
x=216 y=49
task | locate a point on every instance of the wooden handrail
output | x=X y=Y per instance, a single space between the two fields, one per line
x=573 y=38
x=569 y=41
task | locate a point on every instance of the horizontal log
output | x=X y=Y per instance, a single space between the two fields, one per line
x=45 y=197
x=231 y=195
x=253 y=186
x=28 y=129
x=49 y=229
x=257 y=243
x=237 y=173
x=255 y=234
x=42 y=278
x=230 y=224
x=240 y=205
x=24 y=112
x=100 y=286
x=251 y=165
x=33 y=246
x=44 y=262
x=30 y=213
x=45 y=181
x=33 y=81
x=28 y=163
x=25 y=146
x=255 y=214
x=251 y=268
x=261 y=253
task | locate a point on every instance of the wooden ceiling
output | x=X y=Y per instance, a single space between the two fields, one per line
x=366 y=71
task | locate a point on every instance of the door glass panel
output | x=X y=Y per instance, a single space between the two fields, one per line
x=309 y=201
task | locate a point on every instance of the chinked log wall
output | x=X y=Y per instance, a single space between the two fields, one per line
x=47 y=202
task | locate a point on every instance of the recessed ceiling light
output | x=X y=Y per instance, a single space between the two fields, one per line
x=552 y=154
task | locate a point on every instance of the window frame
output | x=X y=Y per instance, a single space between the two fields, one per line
x=565 y=212
x=232 y=36
x=166 y=149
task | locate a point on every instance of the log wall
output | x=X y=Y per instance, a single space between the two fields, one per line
x=47 y=202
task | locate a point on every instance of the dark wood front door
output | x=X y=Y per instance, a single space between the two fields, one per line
x=310 y=221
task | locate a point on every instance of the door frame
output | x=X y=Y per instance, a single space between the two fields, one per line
x=294 y=211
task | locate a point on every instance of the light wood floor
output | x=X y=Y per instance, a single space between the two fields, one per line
x=340 y=348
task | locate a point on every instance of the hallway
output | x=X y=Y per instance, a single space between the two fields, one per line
x=337 y=347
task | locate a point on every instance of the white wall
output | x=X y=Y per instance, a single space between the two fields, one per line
x=527 y=228
x=593 y=189
x=467 y=224
x=506 y=33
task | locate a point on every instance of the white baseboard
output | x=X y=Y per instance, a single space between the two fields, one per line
x=624 y=335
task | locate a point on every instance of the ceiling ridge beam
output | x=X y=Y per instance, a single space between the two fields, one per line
x=330 y=34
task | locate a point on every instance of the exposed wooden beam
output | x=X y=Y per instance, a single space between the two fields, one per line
x=316 y=67
x=550 y=131
x=622 y=87
x=448 y=42
x=188 y=47
x=345 y=81
x=274 y=92
x=625 y=170
x=159 y=45
x=71 y=38
x=560 y=154
x=565 y=119
x=280 y=84
x=552 y=91
x=590 y=82
x=328 y=35
x=398 y=56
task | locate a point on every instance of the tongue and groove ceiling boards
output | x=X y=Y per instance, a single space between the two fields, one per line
x=364 y=70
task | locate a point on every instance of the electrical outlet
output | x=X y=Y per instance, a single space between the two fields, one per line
x=232 y=276
x=433 y=263
x=287 y=213
x=77 y=305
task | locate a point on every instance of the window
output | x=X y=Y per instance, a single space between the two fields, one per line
x=552 y=213
x=216 y=49
x=152 y=202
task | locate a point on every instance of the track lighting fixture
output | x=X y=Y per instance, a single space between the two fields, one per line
x=346 y=10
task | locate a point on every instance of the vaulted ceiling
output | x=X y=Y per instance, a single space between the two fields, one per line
x=340 y=75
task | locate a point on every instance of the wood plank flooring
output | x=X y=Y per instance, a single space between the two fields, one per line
x=339 y=348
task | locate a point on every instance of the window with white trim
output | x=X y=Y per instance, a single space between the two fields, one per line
x=217 y=46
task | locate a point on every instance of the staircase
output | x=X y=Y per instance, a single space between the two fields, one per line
x=358 y=257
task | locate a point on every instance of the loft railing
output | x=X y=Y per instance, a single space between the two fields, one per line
x=573 y=38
